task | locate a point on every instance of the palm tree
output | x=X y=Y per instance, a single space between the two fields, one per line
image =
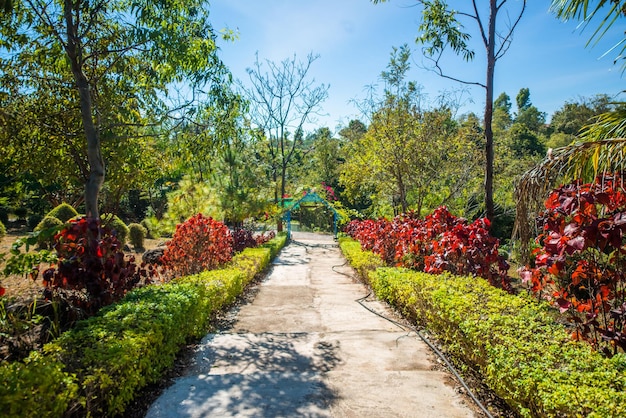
x=601 y=145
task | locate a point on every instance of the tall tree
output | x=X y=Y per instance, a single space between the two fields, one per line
x=407 y=151
x=441 y=30
x=139 y=47
x=527 y=114
x=283 y=99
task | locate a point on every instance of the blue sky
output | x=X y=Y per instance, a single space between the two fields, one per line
x=354 y=39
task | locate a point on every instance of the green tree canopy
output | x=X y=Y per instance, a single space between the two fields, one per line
x=107 y=67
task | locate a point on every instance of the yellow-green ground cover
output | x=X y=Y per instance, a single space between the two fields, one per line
x=527 y=358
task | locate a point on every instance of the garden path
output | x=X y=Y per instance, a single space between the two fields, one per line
x=305 y=347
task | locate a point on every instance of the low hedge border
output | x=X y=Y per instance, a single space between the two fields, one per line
x=526 y=357
x=96 y=368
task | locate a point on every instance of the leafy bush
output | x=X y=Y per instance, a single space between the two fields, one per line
x=252 y=261
x=364 y=262
x=63 y=212
x=92 y=271
x=3 y=230
x=439 y=242
x=137 y=235
x=199 y=244
x=117 y=226
x=246 y=238
x=243 y=238
x=276 y=243
x=45 y=240
x=151 y=230
x=522 y=353
x=580 y=264
x=37 y=387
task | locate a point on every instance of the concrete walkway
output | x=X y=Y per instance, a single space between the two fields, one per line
x=305 y=348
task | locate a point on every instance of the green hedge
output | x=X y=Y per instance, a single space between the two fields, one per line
x=523 y=354
x=97 y=367
x=364 y=262
x=276 y=243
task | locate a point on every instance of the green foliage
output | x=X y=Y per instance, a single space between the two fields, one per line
x=46 y=240
x=252 y=261
x=410 y=158
x=276 y=244
x=3 y=230
x=440 y=28
x=190 y=198
x=117 y=225
x=150 y=224
x=97 y=368
x=137 y=235
x=63 y=212
x=364 y=262
x=524 y=355
x=37 y=387
x=28 y=262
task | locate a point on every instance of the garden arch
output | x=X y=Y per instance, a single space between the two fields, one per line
x=308 y=200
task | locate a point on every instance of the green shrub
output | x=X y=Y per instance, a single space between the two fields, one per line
x=37 y=387
x=364 y=262
x=137 y=235
x=151 y=231
x=45 y=239
x=3 y=230
x=252 y=261
x=276 y=244
x=117 y=225
x=63 y=212
x=525 y=356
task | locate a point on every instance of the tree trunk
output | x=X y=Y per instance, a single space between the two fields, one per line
x=283 y=179
x=94 y=155
x=488 y=116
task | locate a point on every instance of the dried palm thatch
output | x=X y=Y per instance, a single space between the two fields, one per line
x=595 y=157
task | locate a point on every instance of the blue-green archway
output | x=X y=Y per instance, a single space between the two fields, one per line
x=311 y=197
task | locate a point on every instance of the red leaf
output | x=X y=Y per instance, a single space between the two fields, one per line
x=563 y=304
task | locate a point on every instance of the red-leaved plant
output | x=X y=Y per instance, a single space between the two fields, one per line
x=439 y=242
x=246 y=238
x=581 y=263
x=200 y=243
x=91 y=271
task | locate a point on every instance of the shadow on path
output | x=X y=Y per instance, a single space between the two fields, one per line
x=261 y=375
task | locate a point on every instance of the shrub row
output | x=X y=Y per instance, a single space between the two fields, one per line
x=439 y=242
x=513 y=341
x=97 y=367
